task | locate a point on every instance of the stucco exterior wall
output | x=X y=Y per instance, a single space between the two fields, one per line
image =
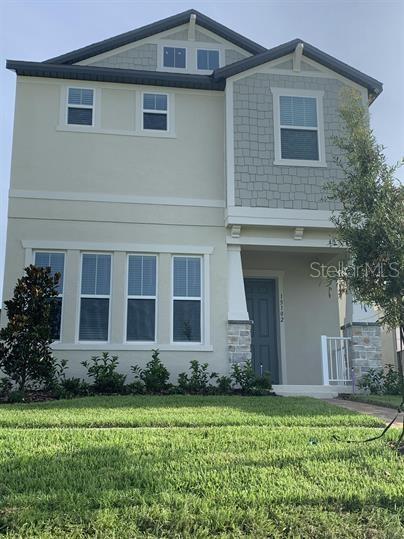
x=113 y=158
x=308 y=311
x=260 y=183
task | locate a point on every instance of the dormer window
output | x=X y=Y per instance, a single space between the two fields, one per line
x=80 y=106
x=207 y=59
x=175 y=57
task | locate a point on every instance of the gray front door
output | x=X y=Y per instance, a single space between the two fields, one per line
x=261 y=306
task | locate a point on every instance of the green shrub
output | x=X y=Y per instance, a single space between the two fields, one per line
x=391 y=382
x=244 y=376
x=155 y=376
x=224 y=384
x=6 y=387
x=198 y=380
x=378 y=382
x=103 y=370
x=17 y=396
x=73 y=387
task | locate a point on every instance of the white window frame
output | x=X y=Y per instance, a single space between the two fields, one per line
x=129 y=296
x=94 y=296
x=54 y=251
x=174 y=46
x=92 y=107
x=208 y=71
x=201 y=299
x=318 y=96
x=154 y=111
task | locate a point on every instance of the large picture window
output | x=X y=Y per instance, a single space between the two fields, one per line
x=56 y=263
x=141 y=313
x=95 y=297
x=187 y=299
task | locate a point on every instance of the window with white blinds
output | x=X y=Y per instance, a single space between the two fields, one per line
x=187 y=299
x=155 y=112
x=299 y=127
x=80 y=106
x=56 y=263
x=142 y=296
x=95 y=297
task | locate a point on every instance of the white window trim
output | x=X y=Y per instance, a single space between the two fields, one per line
x=318 y=96
x=201 y=298
x=92 y=107
x=154 y=111
x=191 y=55
x=53 y=251
x=208 y=71
x=174 y=69
x=129 y=296
x=93 y=296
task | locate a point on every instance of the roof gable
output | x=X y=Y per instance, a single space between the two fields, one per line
x=155 y=28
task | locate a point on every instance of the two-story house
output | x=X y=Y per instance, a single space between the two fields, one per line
x=174 y=176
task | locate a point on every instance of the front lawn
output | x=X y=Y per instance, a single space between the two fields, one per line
x=389 y=401
x=195 y=467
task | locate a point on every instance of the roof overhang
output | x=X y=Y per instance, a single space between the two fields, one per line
x=123 y=76
x=151 y=29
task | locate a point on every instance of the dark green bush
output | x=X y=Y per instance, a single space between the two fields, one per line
x=197 y=382
x=224 y=384
x=378 y=382
x=6 y=386
x=155 y=376
x=73 y=387
x=244 y=376
x=103 y=370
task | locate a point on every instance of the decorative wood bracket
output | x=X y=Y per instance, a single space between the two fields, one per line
x=299 y=230
x=191 y=27
x=235 y=231
x=297 y=57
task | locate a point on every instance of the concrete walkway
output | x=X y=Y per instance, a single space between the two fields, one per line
x=385 y=414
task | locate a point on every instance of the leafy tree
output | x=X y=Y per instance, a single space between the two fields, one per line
x=370 y=221
x=25 y=353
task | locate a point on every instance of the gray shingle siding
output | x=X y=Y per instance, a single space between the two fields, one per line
x=143 y=57
x=260 y=183
x=232 y=56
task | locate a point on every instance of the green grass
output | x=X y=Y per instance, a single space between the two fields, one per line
x=389 y=401
x=206 y=467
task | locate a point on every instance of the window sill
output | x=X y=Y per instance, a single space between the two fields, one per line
x=126 y=346
x=299 y=163
x=99 y=131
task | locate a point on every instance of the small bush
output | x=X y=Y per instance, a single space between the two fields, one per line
x=244 y=376
x=224 y=384
x=155 y=376
x=103 y=370
x=6 y=387
x=198 y=380
x=73 y=387
x=17 y=396
x=378 y=382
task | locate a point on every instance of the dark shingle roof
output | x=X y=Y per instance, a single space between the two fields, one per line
x=107 y=74
x=374 y=86
x=155 y=28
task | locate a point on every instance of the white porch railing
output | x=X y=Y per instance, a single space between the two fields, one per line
x=337 y=365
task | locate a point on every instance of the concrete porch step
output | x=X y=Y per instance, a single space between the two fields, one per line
x=316 y=391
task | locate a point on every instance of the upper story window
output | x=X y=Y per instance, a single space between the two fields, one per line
x=80 y=106
x=175 y=57
x=56 y=263
x=95 y=297
x=299 y=138
x=207 y=59
x=155 y=112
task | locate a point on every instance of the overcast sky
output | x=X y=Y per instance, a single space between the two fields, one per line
x=367 y=35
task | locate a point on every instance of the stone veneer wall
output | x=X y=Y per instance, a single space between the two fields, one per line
x=260 y=183
x=239 y=341
x=365 y=346
x=141 y=57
